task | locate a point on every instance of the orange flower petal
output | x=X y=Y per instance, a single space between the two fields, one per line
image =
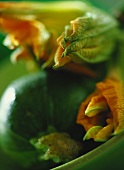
x=104 y=134
x=109 y=100
x=89 y=122
x=59 y=61
x=28 y=33
x=81 y=117
x=113 y=91
x=19 y=54
x=96 y=105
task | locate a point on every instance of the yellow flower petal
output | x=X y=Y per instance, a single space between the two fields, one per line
x=59 y=61
x=96 y=105
x=104 y=134
x=92 y=132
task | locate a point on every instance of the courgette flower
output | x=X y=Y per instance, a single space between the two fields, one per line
x=30 y=36
x=101 y=113
x=35 y=27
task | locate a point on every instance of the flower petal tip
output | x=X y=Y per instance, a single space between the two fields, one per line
x=92 y=132
x=90 y=112
x=118 y=131
x=56 y=66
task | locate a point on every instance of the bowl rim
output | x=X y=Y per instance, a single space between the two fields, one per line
x=96 y=154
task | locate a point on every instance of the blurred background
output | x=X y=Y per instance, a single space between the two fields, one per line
x=8 y=73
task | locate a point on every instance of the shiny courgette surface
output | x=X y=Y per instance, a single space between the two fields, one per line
x=34 y=102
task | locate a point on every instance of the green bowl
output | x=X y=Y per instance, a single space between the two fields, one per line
x=109 y=155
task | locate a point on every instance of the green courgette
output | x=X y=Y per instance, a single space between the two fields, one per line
x=34 y=103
